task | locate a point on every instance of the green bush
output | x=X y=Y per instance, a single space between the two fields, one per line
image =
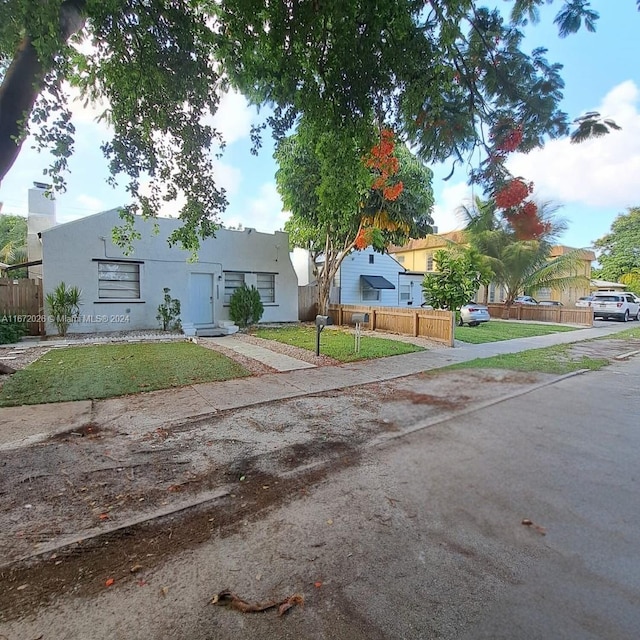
x=245 y=306
x=169 y=312
x=11 y=330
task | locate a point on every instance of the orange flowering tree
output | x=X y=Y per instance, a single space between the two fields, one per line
x=343 y=198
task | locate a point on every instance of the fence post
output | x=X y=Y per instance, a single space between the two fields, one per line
x=415 y=324
x=452 y=326
x=340 y=314
x=373 y=318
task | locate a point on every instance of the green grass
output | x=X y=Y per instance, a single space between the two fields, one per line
x=557 y=359
x=336 y=343
x=82 y=373
x=495 y=330
x=627 y=333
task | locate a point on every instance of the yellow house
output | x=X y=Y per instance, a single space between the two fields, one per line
x=418 y=256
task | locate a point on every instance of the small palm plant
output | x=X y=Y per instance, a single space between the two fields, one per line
x=64 y=305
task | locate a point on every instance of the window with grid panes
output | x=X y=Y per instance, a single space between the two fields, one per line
x=118 y=280
x=267 y=287
x=233 y=280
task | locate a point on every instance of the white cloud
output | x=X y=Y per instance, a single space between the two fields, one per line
x=227 y=176
x=263 y=213
x=451 y=198
x=602 y=172
x=233 y=117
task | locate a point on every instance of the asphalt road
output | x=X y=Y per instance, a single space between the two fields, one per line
x=424 y=538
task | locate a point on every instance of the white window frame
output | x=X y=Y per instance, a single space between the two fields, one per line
x=233 y=280
x=127 y=274
x=369 y=294
x=266 y=285
x=405 y=292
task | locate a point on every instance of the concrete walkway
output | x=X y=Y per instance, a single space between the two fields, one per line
x=25 y=424
x=278 y=361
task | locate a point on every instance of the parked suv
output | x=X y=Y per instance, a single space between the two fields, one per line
x=615 y=304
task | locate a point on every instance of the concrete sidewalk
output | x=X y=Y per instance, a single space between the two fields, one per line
x=22 y=425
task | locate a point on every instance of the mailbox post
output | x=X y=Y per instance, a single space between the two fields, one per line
x=321 y=323
x=358 y=319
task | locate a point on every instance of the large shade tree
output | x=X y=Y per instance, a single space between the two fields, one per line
x=450 y=76
x=619 y=250
x=344 y=198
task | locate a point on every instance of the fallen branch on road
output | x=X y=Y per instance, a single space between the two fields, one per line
x=226 y=598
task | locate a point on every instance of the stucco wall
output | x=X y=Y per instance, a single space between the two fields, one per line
x=72 y=252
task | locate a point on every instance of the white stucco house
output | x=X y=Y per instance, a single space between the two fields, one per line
x=123 y=292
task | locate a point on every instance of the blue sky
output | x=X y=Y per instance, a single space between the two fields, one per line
x=593 y=182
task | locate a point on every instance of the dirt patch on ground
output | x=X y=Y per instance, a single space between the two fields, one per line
x=89 y=483
x=86 y=482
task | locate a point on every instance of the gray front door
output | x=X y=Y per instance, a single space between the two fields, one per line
x=201 y=298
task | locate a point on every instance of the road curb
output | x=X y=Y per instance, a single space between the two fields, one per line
x=386 y=438
x=628 y=354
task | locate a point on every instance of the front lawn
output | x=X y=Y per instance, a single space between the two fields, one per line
x=82 y=373
x=633 y=333
x=337 y=343
x=557 y=359
x=496 y=330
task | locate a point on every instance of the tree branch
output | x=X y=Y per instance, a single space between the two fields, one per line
x=23 y=82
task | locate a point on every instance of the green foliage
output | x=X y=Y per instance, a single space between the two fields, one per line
x=327 y=187
x=105 y=371
x=13 y=242
x=557 y=360
x=522 y=265
x=631 y=280
x=619 y=250
x=169 y=312
x=64 y=306
x=438 y=73
x=11 y=330
x=460 y=274
x=337 y=344
x=496 y=331
x=245 y=306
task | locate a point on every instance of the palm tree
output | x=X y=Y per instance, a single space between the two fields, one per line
x=522 y=266
x=13 y=253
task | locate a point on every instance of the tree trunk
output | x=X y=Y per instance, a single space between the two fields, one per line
x=22 y=84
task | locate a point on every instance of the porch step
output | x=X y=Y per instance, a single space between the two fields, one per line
x=215 y=332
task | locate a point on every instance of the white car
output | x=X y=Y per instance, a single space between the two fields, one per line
x=615 y=304
x=585 y=301
x=473 y=314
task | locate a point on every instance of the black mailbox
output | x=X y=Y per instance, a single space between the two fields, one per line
x=358 y=318
x=323 y=321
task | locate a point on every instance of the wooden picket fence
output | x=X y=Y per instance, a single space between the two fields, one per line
x=542 y=313
x=23 y=298
x=307 y=302
x=433 y=324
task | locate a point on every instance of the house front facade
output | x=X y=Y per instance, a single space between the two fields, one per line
x=419 y=257
x=122 y=292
